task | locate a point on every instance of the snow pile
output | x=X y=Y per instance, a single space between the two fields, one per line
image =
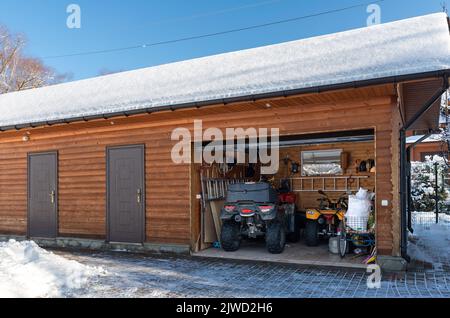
x=430 y=242
x=28 y=271
x=403 y=47
x=431 y=238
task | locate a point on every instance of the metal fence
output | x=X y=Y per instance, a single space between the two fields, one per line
x=429 y=218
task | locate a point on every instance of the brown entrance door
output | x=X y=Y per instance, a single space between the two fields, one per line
x=126 y=194
x=42 y=195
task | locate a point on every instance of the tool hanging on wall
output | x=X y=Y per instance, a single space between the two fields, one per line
x=371 y=164
x=295 y=166
x=365 y=165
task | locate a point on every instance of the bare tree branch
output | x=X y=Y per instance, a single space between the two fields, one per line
x=18 y=72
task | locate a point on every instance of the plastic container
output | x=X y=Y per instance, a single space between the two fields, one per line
x=333 y=245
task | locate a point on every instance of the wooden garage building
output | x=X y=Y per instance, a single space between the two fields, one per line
x=72 y=156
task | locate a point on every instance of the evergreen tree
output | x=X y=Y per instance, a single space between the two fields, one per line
x=423 y=183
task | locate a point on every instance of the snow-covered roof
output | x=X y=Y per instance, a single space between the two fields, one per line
x=432 y=138
x=405 y=47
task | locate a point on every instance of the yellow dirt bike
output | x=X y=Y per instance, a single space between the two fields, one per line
x=324 y=221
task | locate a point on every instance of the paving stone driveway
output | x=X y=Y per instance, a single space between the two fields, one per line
x=162 y=276
x=138 y=276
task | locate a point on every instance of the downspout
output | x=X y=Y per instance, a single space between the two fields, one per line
x=403 y=198
x=404 y=166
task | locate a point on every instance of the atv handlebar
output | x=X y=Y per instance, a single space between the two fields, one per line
x=340 y=201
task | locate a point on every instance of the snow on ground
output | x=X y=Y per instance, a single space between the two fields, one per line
x=430 y=242
x=28 y=271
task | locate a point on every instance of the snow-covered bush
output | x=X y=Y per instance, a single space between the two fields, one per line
x=423 y=183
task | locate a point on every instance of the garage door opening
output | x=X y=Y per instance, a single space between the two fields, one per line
x=316 y=171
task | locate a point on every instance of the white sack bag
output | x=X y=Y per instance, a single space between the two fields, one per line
x=362 y=194
x=359 y=207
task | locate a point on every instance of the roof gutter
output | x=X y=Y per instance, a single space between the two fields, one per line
x=247 y=98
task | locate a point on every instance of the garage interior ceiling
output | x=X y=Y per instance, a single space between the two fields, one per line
x=319 y=138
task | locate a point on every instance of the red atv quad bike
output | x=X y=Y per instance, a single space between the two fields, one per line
x=256 y=210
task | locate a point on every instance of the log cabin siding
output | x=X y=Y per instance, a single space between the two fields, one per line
x=169 y=219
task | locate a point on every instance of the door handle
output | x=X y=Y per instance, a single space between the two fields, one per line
x=139 y=196
x=52 y=197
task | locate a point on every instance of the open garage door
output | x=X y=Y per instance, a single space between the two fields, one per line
x=356 y=167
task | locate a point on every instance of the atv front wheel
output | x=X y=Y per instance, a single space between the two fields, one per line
x=231 y=236
x=275 y=237
x=312 y=233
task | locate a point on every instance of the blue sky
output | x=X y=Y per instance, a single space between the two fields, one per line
x=116 y=23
